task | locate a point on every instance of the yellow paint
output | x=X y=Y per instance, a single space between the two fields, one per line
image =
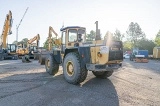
x=156 y=52
x=58 y=41
x=6 y=29
x=95 y=59
x=103 y=59
x=98 y=42
x=24 y=51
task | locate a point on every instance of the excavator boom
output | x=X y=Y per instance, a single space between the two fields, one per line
x=52 y=30
x=6 y=30
x=36 y=38
x=50 y=42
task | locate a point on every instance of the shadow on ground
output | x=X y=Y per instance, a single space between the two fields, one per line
x=43 y=89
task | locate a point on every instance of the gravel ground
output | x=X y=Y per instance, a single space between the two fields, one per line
x=27 y=84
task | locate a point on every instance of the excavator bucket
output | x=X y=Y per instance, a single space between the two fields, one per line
x=25 y=59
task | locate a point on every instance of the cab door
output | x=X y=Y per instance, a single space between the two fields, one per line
x=63 y=45
x=71 y=38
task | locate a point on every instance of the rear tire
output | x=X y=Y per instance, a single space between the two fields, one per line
x=51 y=66
x=73 y=73
x=102 y=74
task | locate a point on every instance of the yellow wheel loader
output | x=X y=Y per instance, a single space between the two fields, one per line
x=77 y=56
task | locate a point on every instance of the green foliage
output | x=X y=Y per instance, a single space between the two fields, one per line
x=45 y=44
x=135 y=33
x=118 y=36
x=15 y=42
x=142 y=44
x=145 y=44
x=157 y=39
x=127 y=45
x=23 y=41
x=91 y=36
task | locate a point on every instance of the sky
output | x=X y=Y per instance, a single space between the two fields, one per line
x=110 y=14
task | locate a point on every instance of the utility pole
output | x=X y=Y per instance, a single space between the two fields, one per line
x=17 y=26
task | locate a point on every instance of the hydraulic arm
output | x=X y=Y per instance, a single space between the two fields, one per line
x=6 y=30
x=36 y=38
x=50 y=42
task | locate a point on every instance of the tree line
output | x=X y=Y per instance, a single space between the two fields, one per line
x=133 y=38
x=23 y=41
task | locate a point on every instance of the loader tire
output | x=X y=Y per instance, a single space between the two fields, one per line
x=73 y=73
x=102 y=74
x=51 y=66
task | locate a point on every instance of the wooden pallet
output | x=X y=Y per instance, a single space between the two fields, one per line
x=141 y=60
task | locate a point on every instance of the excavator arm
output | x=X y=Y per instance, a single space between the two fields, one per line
x=52 y=30
x=52 y=40
x=6 y=30
x=36 y=38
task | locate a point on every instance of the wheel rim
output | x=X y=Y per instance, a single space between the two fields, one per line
x=69 y=67
x=48 y=64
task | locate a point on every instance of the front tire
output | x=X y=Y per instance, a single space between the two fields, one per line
x=51 y=66
x=102 y=74
x=72 y=70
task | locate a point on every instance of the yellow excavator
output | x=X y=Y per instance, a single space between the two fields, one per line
x=21 y=50
x=32 y=49
x=7 y=51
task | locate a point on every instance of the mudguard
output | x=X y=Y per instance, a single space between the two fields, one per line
x=57 y=56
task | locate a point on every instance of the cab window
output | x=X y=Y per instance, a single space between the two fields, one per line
x=72 y=35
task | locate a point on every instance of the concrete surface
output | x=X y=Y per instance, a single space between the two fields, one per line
x=27 y=84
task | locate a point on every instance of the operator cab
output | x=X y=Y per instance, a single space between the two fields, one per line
x=72 y=36
x=12 y=48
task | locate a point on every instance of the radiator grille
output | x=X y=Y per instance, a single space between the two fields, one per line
x=115 y=55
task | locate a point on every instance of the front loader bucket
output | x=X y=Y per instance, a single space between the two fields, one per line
x=25 y=59
x=42 y=57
